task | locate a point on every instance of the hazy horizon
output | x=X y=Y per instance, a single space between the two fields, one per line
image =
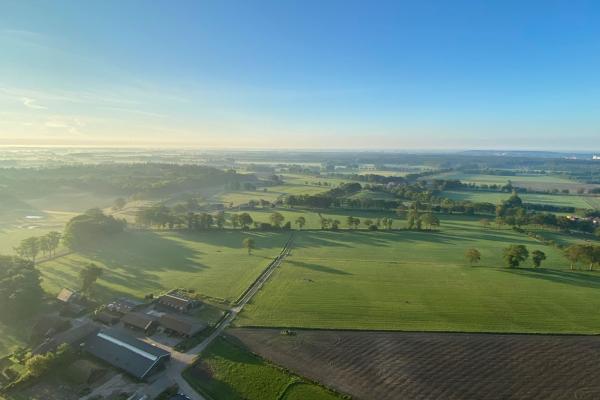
x=271 y=75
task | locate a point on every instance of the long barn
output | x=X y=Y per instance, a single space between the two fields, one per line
x=125 y=352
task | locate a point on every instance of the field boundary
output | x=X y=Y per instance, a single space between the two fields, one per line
x=271 y=266
x=292 y=328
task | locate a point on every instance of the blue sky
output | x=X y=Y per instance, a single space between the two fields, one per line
x=308 y=74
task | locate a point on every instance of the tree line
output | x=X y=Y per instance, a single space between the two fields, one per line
x=31 y=247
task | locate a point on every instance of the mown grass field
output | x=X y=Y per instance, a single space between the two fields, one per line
x=12 y=336
x=227 y=371
x=271 y=194
x=38 y=216
x=551 y=199
x=531 y=181
x=421 y=281
x=502 y=179
x=138 y=263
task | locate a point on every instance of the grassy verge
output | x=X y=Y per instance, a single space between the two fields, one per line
x=227 y=371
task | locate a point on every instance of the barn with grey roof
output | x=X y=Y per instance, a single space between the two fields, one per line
x=137 y=358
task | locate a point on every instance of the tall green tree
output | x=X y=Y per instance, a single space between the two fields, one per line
x=53 y=240
x=276 y=219
x=220 y=219
x=574 y=254
x=473 y=256
x=537 y=256
x=20 y=291
x=245 y=220
x=235 y=221
x=29 y=248
x=350 y=221
x=300 y=221
x=249 y=244
x=514 y=255
x=89 y=275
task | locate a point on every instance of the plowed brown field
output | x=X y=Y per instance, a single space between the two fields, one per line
x=444 y=366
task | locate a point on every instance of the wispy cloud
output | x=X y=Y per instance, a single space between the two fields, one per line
x=32 y=103
x=70 y=125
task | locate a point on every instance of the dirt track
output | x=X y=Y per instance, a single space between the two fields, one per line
x=444 y=366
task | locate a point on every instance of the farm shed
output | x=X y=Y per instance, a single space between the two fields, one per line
x=137 y=358
x=181 y=326
x=67 y=295
x=124 y=305
x=107 y=317
x=72 y=337
x=138 y=320
x=47 y=326
x=178 y=301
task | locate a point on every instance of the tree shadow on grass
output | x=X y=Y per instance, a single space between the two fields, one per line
x=352 y=239
x=229 y=238
x=573 y=278
x=318 y=268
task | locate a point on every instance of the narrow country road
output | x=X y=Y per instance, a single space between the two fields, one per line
x=180 y=361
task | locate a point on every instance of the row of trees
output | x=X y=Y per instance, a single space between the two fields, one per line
x=513 y=255
x=416 y=220
x=587 y=254
x=31 y=247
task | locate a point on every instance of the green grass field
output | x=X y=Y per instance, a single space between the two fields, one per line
x=271 y=194
x=502 y=179
x=421 y=281
x=237 y=374
x=139 y=263
x=17 y=227
x=551 y=199
x=12 y=336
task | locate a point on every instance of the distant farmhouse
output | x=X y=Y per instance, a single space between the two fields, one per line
x=178 y=301
x=137 y=358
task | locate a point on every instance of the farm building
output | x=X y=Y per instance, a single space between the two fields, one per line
x=71 y=301
x=124 y=305
x=177 y=301
x=107 y=317
x=67 y=295
x=137 y=358
x=181 y=326
x=72 y=337
x=47 y=326
x=138 y=320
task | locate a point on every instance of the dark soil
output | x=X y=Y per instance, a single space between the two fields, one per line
x=444 y=366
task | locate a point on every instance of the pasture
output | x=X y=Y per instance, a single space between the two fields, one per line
x=561 y=200
x=539 y=182
x=214 y=264
x=12 y=336
x=419 y=281
x=227 y=371
x=22 y=218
